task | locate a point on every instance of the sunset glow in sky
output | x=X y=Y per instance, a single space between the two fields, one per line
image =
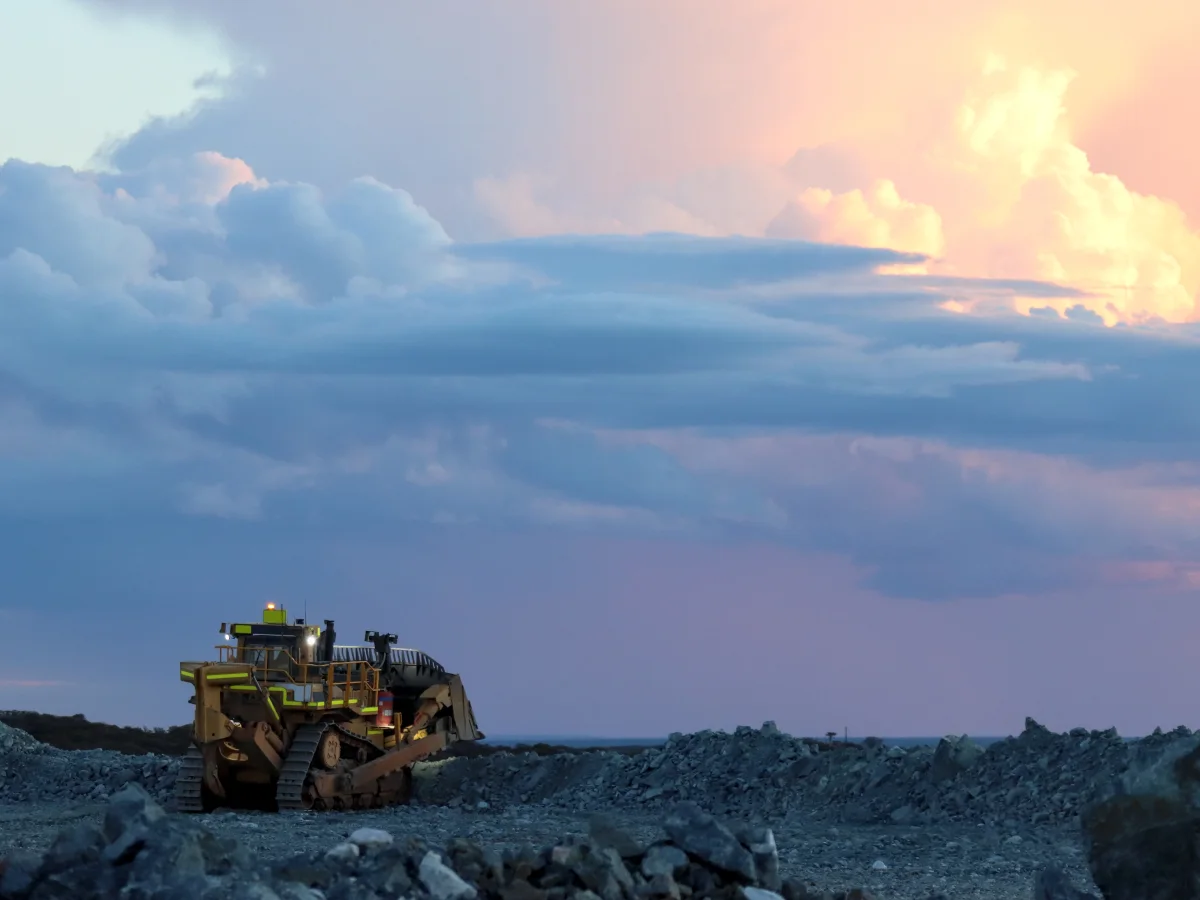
x=825 y=363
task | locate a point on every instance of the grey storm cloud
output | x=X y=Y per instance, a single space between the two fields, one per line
x=616 y=262
x=284 y=351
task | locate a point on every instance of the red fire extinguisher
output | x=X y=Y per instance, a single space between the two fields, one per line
x=383 y=716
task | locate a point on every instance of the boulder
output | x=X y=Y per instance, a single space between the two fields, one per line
x=1143 y=841
x=442 y=882
x=605 y=833
x=953 y=756
x=704 y=838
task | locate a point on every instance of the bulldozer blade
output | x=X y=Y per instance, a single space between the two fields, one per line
x=464 y=716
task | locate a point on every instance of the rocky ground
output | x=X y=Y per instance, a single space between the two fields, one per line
x=921 y=861
x=954 y=821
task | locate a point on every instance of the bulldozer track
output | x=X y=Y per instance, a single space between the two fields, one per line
x=289 y=792
x=189 y=790
x=298 y=764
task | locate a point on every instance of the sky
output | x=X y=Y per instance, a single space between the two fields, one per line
x=655 y=367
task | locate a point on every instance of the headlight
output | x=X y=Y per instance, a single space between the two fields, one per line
x=310 y=640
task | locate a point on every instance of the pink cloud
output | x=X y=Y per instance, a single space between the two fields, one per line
x=205 y=178
x=997 y=135
x=966 y=149
x=880 y=498
x=1001 y=190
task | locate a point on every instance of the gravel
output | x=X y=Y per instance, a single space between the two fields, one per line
x=902 y=862
x=955 y=820
x=33 y=771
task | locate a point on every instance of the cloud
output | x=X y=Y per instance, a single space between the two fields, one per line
x=1040 y=211
x=607 y=262
x=49 y=213
x=194 y=340
x=933 y=520
x=1002 y=191
x=576 y=467
x=198 y=180
x=974 y=138
x=878 y=218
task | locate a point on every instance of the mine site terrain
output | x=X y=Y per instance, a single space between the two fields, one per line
x=955 y=820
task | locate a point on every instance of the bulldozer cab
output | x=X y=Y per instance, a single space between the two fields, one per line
x=271 y=646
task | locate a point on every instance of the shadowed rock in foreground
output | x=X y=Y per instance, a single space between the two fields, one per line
x=1052 y=884
x=1143 y=841
x=1143 y=836
x=141 y=852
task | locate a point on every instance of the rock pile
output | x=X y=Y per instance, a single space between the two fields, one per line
x=31 y=771
x=1036 y=777
x=141 y=852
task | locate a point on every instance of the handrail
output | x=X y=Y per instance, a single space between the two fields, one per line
x=278 y=669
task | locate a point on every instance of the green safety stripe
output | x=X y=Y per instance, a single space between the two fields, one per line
x=237 y=676
x=273 y=689
x=184 y=673
x=283 y=691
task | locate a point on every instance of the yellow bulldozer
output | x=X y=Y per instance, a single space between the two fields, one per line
x=287 y=719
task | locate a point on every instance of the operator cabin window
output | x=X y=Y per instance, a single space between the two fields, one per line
x=278 y=662
x=255 y=656
x=275 y=659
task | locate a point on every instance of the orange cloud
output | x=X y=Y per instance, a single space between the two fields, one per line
x=1034 y=207
x=968 y=124
x=1003 y=191
x=878 y=217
